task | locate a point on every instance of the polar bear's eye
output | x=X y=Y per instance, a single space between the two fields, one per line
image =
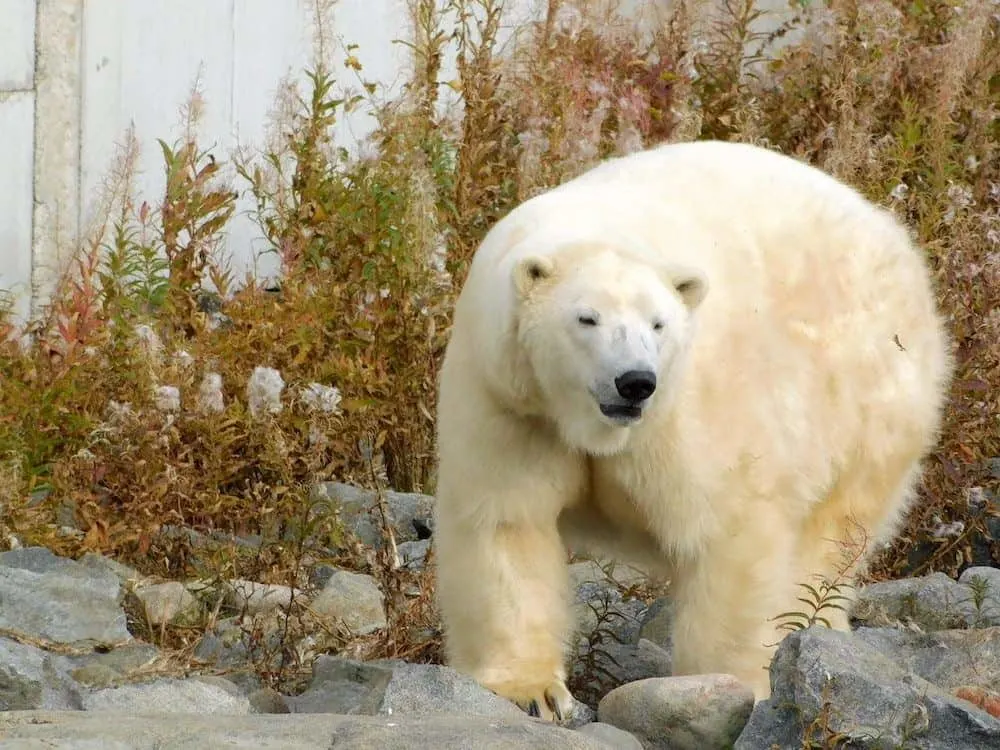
x=587 y=320
x=657 y=325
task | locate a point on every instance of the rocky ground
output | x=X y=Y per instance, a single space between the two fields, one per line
x=921 y=669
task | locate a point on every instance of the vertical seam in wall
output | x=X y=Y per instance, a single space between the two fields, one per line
x=32 y=254
x=233 y=72
x=80 y=88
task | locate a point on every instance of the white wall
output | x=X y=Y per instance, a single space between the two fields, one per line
x=17 y=108
x=101 y=66
x=240 y=50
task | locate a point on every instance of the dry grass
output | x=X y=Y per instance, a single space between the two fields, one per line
x=899 y=98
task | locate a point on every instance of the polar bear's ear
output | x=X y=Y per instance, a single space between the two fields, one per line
x=530 y=271
x=691 y=284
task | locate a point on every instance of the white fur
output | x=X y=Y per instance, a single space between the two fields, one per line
x=801 y=371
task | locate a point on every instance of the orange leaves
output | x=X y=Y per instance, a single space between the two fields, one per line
x=987 y=700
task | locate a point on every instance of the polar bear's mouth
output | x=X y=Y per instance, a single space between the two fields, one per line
x=621 y=412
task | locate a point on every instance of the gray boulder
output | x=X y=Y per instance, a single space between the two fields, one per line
x=342 y=686
x=984 y=588
x=611 y=736
x=29 y=679
x=603 y=667
x=200 y=695
x=947 y=658
x=99 y=669
x=395 y=687
x=58 y=599
x=88 y=731
x=413 y=554
x=353 y=599
x=410 y=514
x=658 y=622
x=698 y=712
x=829 y=684
x=167 y=602
x=933 y=602
x=424 y=689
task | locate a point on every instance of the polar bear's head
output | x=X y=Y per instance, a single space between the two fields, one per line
x=601 y=330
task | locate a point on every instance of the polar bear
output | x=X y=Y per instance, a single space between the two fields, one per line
x=707 y=358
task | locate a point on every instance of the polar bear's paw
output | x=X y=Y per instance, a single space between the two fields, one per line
x=551 y=701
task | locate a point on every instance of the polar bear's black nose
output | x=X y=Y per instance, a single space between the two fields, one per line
x=636 y=385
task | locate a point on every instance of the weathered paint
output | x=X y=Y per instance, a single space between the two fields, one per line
x=17 y=108
x=17 y=45
x=16 y=126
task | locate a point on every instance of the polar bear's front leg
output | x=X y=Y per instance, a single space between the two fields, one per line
x=502 y=572
x=727 y=600
x=502 y=593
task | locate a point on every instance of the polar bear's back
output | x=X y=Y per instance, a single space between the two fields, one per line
x=820 y=332
x=809 y=283
x=776 y=238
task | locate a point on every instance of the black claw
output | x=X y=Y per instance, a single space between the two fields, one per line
x=554 y=705
x=533 y=709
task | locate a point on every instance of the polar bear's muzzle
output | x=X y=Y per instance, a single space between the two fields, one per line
x=631 y=391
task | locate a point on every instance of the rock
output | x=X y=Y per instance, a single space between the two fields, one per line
x=613 y=575
x=198 y=695
x=993 y=466
x=601 y=605
x=228 y=645
x=825 y=677
x=612 y=737
x=168 y=603
x=345 y=686
x=641 y=661
x=268 y=701
x=586 y=572
x=426 y=689
x=934 y=602
x=353 y=599
x=97 y=676
x=29 y=680
x=249 y=682
x=658 y=622
x=84 y=731
x=607 y=626
x=392 y=687
x=701 y=712
x=947 y=658
x=984 y=589
x=410 y=514
x=611 y=664
x=124 y=659
x=98 y=562
x=59 y=599
x=413 y=554
x=252 y=598
x=214 y=541
x=342 y=686
x=580 y=715
x=452 y=733
x=320 y=573
x=101 y=670
x=38 y=560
